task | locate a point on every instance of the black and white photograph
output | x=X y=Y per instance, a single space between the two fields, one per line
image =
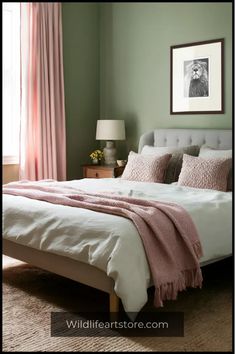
x=196 y=77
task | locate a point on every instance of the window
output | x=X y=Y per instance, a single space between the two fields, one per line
x=11 y=82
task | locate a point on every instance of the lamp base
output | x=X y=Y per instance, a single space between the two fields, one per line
x=110 y=153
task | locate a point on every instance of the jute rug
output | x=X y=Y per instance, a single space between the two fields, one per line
x=30 y=294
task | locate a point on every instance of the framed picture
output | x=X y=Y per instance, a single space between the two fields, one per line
x=197 y=78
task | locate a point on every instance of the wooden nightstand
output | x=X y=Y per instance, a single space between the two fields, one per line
x=102 y=171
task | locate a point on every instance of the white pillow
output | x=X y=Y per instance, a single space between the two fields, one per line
x=159 y=150
x=209 y=152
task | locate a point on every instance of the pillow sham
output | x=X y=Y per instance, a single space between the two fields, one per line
x=175 y=163
x=209 y=152
x=159 y=150
x=204 y=173
x=146 y=168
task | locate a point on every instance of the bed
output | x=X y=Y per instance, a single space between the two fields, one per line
x=57 y=251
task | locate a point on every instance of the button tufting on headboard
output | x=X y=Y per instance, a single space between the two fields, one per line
x=216 y=138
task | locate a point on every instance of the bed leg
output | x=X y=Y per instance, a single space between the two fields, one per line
x=114 y=306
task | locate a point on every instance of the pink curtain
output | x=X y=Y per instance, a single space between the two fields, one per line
x=42 y=136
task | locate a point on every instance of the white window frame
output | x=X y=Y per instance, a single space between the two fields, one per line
x=14 y=125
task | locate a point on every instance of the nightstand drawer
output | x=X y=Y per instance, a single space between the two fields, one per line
x=98 y=173
x=102 y=171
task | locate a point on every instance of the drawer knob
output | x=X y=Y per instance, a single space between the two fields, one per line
x=97 y=174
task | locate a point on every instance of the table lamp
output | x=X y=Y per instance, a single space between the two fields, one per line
x=110 y=130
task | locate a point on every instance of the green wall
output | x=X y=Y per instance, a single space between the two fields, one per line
x=81 y=74
x=135 y=42
x=117 y=66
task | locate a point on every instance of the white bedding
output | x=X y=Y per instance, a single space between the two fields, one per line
x=112 y=243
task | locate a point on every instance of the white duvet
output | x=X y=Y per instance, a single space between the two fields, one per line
x=112 y=243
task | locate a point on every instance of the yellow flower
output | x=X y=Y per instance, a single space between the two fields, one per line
x=96 y=154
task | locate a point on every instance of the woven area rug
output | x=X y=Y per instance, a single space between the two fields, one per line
x=30 y=294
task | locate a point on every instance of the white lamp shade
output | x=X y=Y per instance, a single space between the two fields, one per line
x=110 y=129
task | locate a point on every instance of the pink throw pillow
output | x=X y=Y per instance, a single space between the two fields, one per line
x=146 y=168
x=204 y=173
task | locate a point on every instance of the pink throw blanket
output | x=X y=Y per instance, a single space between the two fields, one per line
x=168 y=233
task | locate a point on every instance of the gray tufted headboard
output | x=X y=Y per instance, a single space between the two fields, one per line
x=216 y=138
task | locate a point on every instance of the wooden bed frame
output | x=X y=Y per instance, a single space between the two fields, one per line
x=71 y=269
x=66 y=267
x=90 y=275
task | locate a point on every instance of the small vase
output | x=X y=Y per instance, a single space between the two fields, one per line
x=95 y=161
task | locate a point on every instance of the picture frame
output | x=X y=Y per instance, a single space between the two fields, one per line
x=197 y=77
